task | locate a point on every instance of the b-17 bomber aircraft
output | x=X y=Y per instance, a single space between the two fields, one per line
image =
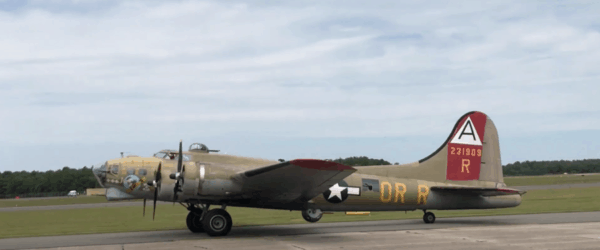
x=464 y=173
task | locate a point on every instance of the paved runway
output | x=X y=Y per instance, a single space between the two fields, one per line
x=519 y=237
x=327 y=232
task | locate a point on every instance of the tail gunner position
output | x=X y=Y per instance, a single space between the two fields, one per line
x=463 y=173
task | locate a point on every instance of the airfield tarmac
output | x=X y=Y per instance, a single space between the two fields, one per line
x=530 y=231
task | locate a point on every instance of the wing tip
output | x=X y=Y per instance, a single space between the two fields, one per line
x=321 y=165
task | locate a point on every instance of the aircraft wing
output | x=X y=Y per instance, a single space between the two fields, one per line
x=298 y=180
x=477 y=190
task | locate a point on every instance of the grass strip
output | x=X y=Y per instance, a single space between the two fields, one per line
x=550 y=180
x=52 y=201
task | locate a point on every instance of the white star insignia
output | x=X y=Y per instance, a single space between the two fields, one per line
x=336 y=190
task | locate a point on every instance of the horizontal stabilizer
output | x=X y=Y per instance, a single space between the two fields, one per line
x=478 y=191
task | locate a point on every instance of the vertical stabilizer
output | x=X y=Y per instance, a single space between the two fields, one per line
x=470 y=155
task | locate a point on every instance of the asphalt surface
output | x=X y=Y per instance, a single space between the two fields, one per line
x=271 y=234
x=568 y=236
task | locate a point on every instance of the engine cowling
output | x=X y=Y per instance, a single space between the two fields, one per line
x=215 y=181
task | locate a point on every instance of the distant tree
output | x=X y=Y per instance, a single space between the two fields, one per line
x=361 y=161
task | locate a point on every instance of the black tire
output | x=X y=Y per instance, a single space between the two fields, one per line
x=311 y=215
x=193 y=221
x=429 y=217
x=217 y=222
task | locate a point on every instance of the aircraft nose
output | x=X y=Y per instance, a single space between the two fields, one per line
x=99 y=171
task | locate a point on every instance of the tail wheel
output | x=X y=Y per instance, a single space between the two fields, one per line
x=217 y=222
x=312 y=215
x=193 y=221
x=429 y=217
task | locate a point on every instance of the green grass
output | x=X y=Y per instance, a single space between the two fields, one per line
x=127 y=219
x=51 y=201
x=550 y=180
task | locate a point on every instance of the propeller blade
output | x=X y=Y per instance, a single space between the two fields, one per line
x=175 y=190
x=158 y=174
x=156 y=185
x=154 y=210
x=180 y=158
x=179 y=175
x=181 y=178
x=144 y=214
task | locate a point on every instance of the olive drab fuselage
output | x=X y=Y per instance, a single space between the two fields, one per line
x=211 y=182
x=465 y=172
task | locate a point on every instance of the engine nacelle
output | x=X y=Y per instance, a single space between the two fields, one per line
x=215 y=181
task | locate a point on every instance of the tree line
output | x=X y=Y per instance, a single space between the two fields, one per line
x=552 y=167
x=361 y=161
x=60 y=182
x=49 y=183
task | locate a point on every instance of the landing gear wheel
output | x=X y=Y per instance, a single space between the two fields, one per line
x=312 y=215
x=217 y=222
x=429 y=217
x=193 y=221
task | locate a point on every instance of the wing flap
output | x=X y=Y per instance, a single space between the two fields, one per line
x=297 y=180
x=478 y=190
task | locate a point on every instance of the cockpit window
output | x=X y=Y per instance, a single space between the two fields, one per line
x=172 y=156
x=160 y=155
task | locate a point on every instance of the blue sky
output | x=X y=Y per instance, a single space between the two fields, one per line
x=81 y=81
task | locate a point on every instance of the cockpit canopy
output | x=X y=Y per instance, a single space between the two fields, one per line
x=171 y=155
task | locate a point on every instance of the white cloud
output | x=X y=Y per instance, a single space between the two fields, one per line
x=80 y=71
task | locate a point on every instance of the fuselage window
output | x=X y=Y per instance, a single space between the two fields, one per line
x=130 y=171
x=370 y=185
x=143 y=172
x=114 y=169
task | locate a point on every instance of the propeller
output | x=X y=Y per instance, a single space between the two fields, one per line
x=178 y=177
x=156 y=184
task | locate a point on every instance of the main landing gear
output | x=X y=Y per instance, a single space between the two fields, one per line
x=194 y=221
x=312 y=215
x=428 y=217
x=216 y=222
